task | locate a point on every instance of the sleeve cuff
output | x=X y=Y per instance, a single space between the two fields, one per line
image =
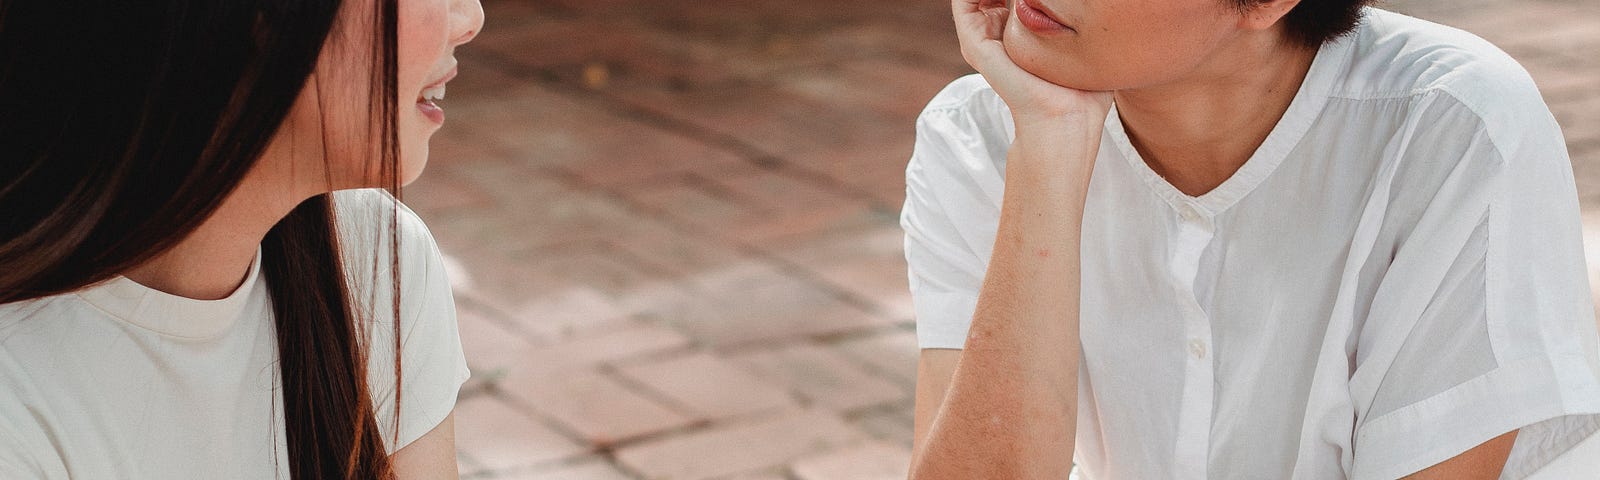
x=1431 y=431
x=432 y=409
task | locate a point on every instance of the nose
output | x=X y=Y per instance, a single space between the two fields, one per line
x=466 y=20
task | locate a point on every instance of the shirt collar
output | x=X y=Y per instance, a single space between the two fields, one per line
x=173 y=315
x=1324 y=74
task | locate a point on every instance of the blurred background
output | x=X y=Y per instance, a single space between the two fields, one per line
x=672 y=225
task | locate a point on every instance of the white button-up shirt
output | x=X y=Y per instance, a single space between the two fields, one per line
x=1395 y=276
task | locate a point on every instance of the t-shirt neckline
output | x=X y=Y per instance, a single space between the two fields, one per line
x=169 y=314
x=1312 y=96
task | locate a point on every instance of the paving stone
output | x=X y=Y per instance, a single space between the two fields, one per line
x=891 y=354
x=593 y=468
x=587 y=350
x=495 y=436
x=445 y=192
x=754 y=207
x=465 y=466
x=707 y=386
x=567 y=312
x=893 y=423
x=869 y=263
x=824 y=377
x=921 y=36
x=681 y=255
x=730 y=449
x=591 y=140
x=534 y=213
x=875 y=168
x=755 y=302
x=562 y=291
x=760 y=476
x=876 y=87
x=594 y=406
x=871 y=461
x=488 y=344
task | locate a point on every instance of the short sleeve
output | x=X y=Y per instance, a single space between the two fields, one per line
x=433 y=364
x=20 y=459
x=954 y=185
x=1482 y=323
x=26 y=448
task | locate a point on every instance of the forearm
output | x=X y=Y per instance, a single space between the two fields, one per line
x=1011 y=409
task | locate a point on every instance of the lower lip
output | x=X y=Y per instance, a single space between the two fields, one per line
x=432 y=111
x=1036 y=20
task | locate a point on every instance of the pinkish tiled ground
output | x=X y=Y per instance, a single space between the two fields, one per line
x=672 y=225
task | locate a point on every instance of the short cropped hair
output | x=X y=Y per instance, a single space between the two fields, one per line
x=1315 y=22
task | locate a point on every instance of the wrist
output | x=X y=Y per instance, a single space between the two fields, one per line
x=1086 y=115
x=1058 y=128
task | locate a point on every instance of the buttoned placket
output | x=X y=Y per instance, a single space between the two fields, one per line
x=1195 y=231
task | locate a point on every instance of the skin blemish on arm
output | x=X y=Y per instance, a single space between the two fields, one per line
x=1044 y=253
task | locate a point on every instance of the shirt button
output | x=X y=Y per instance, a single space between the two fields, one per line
x=1197 y=348
x=1189 y=213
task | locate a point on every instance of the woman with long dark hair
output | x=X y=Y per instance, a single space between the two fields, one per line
x=189 y=288
x=1287 y=239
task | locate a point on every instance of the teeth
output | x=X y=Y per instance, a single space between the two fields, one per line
x=434 y=94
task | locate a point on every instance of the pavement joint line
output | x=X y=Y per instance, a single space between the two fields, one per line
x=870 y=367
x=659 y=356
x=711 y=188
x=906 y=327
x=610 y=370
x=699 y=426
x=516 y=403
x=549 y=465
x=501 y=318
x=880 y=409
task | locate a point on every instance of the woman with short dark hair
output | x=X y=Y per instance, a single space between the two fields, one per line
x=1243 y=239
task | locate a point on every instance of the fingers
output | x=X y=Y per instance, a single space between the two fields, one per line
x=980 y=25
x=989 y=15
x=995 y=22
x=960 y=7
x=979 y=22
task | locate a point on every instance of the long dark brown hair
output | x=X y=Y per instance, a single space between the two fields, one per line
x=123 y=126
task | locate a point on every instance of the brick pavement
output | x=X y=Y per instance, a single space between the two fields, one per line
x=671 y=225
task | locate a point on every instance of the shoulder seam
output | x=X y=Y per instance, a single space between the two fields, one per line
x=942 y=103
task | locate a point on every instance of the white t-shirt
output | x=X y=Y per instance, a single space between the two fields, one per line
x=122 y=381
x=1395 y=276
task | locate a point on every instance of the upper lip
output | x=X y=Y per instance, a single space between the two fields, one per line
x=1034 y=4
x=441 y=81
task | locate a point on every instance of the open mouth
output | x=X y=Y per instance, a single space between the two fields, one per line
x=427 y=102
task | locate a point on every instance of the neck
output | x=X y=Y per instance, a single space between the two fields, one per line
x=1198 y=131
x=214 y=259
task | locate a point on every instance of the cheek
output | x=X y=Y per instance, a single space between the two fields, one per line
x=423 y=39
x=1137 y=44
x=422 y=44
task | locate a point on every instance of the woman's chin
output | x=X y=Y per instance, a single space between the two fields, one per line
x=1054 y=65
x=414 y=152
x=409 y=172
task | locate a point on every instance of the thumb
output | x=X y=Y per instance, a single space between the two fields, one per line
x=994 y=23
